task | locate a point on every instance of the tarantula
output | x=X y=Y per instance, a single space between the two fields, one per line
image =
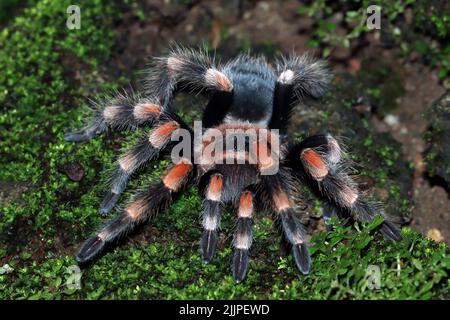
x=245 y=93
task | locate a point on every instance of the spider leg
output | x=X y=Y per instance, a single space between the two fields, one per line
x=119 y=113
x=144 y=151
x=320 y=158
x=299 y=77
x=185 y=69
x=278 y=187
x=145 y=205
x=243 y=236
x=211 y=217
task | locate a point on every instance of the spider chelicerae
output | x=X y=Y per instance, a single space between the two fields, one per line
x=262 y=174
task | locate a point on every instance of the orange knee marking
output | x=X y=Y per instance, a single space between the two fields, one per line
x=281 y=201
x=217 y=79
x=215 y=188
x=313 y=158
x=176 y=176
x=314 y=164
x=160 y=135
x=153 y=108
x=167 y=128
x=246 y=205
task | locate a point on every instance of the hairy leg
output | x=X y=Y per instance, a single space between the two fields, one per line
x=279 y=190
x=298 y=77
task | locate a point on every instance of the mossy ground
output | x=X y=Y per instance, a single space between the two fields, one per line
x=47 y=72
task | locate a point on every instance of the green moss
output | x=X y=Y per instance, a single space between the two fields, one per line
x=354 y=21
x=8 y=8
x=376 y=155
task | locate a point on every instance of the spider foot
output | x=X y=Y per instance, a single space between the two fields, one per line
x=295 y=234
x=76 y=136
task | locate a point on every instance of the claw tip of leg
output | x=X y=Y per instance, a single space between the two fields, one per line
x=103 y=212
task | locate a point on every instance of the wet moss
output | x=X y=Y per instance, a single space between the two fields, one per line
x=37 y=97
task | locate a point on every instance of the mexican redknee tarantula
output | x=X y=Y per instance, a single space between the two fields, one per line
x=245 y=93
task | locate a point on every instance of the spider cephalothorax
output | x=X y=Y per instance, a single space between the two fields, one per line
x=244 y=94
